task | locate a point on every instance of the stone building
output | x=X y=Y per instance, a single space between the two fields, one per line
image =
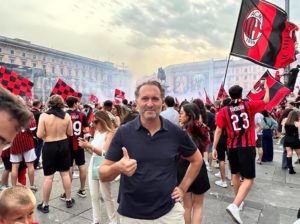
x=44 y=66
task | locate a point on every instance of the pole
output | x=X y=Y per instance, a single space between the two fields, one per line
x=232 y=43
x=226 y=69
x=287 y=68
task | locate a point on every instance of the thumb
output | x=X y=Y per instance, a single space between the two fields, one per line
x=125 y=153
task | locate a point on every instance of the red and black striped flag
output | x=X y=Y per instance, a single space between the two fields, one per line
x=264 y=35
x=94 y=99
x=119 y=95
x=277 y=91
x=207 y=100
x=222 y=93
x=61 y=88
x=15 y=83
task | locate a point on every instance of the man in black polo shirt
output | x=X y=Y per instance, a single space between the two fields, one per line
x=144 y=152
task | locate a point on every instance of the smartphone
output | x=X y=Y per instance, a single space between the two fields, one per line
x=80 y=139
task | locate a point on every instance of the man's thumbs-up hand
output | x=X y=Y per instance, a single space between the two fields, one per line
x=127 y=166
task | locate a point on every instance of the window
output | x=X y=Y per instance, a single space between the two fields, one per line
x=34 y=65
x=12 y=61
x=23 y=54
x=44 y=58
x=23 y=62
x=34 y=56
x=0 y=49
x=62 y=71
x=44 y=67
x=12 y=51
x=53 y=69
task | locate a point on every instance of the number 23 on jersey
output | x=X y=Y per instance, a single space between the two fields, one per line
x=236 y=124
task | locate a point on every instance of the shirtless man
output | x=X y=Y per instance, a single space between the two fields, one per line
x=54 y=128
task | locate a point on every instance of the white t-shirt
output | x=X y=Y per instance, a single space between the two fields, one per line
x=171 y=114
x=258 y=119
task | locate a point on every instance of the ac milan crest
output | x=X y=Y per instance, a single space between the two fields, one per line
x=252 y=28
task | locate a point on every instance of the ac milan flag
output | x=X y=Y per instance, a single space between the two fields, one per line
x=264 y=35
x=15 y=83
x=94 y=99
x=222 y=93
x=277 y=91
x=119 y=95
x=61 y=88
x=207 y=100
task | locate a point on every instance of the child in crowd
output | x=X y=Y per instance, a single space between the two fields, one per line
x=17 y=205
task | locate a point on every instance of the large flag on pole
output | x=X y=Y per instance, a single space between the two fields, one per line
x=264 y=35
x=277 y=91
x=222 y=93
x=15 y=83
x=63 y=89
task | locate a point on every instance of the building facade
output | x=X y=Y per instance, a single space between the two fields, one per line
x=189 y=80
x=44 y=66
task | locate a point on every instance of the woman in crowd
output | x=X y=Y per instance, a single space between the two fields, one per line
x=104 y=132
x=54 y=128
x=291 y=140
x=193 y=200
x=269 y=124
x=119 y=112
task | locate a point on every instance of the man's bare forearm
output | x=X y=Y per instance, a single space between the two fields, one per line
x=217 y=136
x=108 y=172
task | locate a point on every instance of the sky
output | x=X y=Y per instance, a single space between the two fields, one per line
x=142 y=35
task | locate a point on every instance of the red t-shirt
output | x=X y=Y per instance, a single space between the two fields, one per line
x=23 y=141
x=79 y=122
x=238 y=120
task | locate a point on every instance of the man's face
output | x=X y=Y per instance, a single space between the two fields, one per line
x=20 y=215
x=149 y=102
x=8 y=129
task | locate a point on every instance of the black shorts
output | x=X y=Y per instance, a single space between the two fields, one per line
x=242 y=160
x=56 y=157
x=259 y=141
x=6 y=163
x=78 y=156
x=200 y=184
x=221 y=150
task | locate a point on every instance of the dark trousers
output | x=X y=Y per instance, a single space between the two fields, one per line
x=38 y=149
x=284 y=153
x=267 y=145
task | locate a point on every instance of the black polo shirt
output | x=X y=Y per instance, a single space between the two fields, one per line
x=147 y=194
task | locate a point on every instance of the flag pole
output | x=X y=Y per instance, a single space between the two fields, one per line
x=287 y=68
x=228 y=60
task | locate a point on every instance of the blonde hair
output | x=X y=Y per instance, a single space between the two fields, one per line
x=292 y=117
x=103 y=118
x=13 y=197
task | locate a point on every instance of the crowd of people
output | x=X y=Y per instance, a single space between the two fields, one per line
x=159 y=151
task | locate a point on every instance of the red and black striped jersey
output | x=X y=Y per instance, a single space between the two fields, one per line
x=79 y=122
x=238 y=120
x=23 y=141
